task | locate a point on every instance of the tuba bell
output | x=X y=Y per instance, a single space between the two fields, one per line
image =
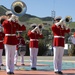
x=18 y=8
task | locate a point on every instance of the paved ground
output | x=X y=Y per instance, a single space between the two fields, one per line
x=44 y=66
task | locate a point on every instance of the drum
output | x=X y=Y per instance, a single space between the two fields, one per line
x=22 y=49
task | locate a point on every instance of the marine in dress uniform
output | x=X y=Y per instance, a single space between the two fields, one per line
x=34 y=36
x=10 y=27
x=1 y=45
x=21 y=41
x=59 y=29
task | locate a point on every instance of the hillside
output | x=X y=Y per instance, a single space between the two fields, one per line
x=25 y=17
x=28 y=19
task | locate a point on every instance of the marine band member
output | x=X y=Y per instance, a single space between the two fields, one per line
x=34 y=36
x=21 y=41
x=10 y=40
x=59 y=29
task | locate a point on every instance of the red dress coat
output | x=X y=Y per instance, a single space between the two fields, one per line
x=34 y=39
x=10 y=29
x=59 y=34
x=1 y=40
x=20 y=41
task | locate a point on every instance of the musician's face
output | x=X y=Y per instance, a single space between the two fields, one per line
x=34 y=27
x=9 y=16
x=58 y=20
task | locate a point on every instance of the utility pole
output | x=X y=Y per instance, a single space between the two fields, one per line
x=53 y=15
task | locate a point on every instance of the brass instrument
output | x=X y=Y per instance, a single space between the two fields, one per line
x=40 y=26
x=68 y=19
x=18 y=8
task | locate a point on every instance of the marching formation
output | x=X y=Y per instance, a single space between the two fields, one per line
x=12 y=41
x=14 y=44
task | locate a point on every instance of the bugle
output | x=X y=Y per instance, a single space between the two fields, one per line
x=68 y=19
x=40 y=26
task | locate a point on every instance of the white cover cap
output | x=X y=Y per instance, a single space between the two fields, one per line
x=34 y=24
x=8 y=12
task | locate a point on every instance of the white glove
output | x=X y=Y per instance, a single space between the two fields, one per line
x=40 y=31
x=13 y=18
x=65 y=25
x=58 y=23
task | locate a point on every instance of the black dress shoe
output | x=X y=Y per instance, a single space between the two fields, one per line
x=60 y=72
x=11 y=72
x=2 y=65
x=15 y=64
x=8 y=72
x=56 y=72
x=33 y=68
x=23 y=64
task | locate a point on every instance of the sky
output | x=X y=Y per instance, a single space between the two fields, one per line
x=43 y=8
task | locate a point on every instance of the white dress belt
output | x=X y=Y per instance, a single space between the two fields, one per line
x=59 y=37
x=10 y=34
x=33 y=39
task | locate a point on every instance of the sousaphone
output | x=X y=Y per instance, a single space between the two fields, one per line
x=18 y=8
